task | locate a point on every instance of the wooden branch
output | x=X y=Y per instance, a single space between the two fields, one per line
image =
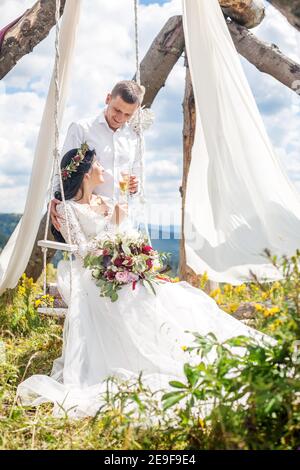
x=30 y=30
x=248 y=13
x=266 y=57
x=161 y=57
x=37 y=22
x=290 y=9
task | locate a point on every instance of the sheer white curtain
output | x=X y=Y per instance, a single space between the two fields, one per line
x=16 y=253
x=239 y=199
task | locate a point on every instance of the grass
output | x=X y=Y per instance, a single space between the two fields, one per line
x=269 y=419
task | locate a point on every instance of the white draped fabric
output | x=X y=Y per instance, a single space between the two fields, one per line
x=15 y=256
x=239 y=199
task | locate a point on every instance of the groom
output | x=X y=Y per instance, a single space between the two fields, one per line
x=111 y=136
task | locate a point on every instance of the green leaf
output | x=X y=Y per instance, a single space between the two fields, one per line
x=114 y=296
x=151 y=286
x=176 y=384
x=191 y=374
x=173 y=400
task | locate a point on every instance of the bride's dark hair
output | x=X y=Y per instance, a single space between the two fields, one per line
x=73 y=183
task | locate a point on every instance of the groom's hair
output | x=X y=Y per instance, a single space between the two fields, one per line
x=129 y=91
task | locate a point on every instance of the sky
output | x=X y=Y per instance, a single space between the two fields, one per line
x=104 y=54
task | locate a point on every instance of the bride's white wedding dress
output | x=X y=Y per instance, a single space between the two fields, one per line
x=139 y=332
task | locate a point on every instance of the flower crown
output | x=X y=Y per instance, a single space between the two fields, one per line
x=75 y=162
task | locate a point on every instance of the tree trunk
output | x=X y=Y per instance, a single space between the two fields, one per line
x=290 y=9
x=189 y=125
x=30 y=30
x=189 y=128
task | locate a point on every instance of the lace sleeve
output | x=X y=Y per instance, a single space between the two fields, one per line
x=77 y=235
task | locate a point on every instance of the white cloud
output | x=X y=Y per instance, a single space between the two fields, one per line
x=163 y=169
x=105 y=54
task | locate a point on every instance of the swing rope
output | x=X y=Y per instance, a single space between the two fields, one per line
x=140 y=153
x=56 y=162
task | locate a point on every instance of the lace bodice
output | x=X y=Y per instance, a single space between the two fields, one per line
x=85 y=224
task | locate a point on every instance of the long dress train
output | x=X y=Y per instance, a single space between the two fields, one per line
x=139 y=332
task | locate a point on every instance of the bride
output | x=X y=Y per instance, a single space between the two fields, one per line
x=139 y=332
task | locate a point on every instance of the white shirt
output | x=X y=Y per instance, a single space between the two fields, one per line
x=113 y=149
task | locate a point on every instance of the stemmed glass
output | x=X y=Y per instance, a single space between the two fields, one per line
x=124 y=179
x=124 y=173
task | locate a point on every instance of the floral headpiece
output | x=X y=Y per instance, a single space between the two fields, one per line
x=75 y=162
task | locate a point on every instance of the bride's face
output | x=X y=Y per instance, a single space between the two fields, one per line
x=96 y=173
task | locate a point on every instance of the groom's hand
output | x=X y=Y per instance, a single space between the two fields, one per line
x=133 y=184
x=54 y=215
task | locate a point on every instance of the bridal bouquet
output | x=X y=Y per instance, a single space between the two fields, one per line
x=123 y=258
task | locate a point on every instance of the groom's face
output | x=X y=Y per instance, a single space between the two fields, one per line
x=118 y=111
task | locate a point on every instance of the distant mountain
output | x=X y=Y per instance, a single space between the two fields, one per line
x=8 y=223
x=163 y=238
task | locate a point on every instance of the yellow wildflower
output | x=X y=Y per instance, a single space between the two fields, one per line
x=21 y=290
x=241 y=289
x=258 y=307
x=215 y=293
x=201 y=422
x=276 y=324
x=228 y=289
x=233 y=307
x=269 y=312
x=203 y=280
x=255 y=288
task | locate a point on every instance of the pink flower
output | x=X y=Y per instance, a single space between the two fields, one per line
x=132 y=277
x=106 y=251
x=122 y=277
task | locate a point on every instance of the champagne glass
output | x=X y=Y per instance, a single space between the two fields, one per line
x=124 y=179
